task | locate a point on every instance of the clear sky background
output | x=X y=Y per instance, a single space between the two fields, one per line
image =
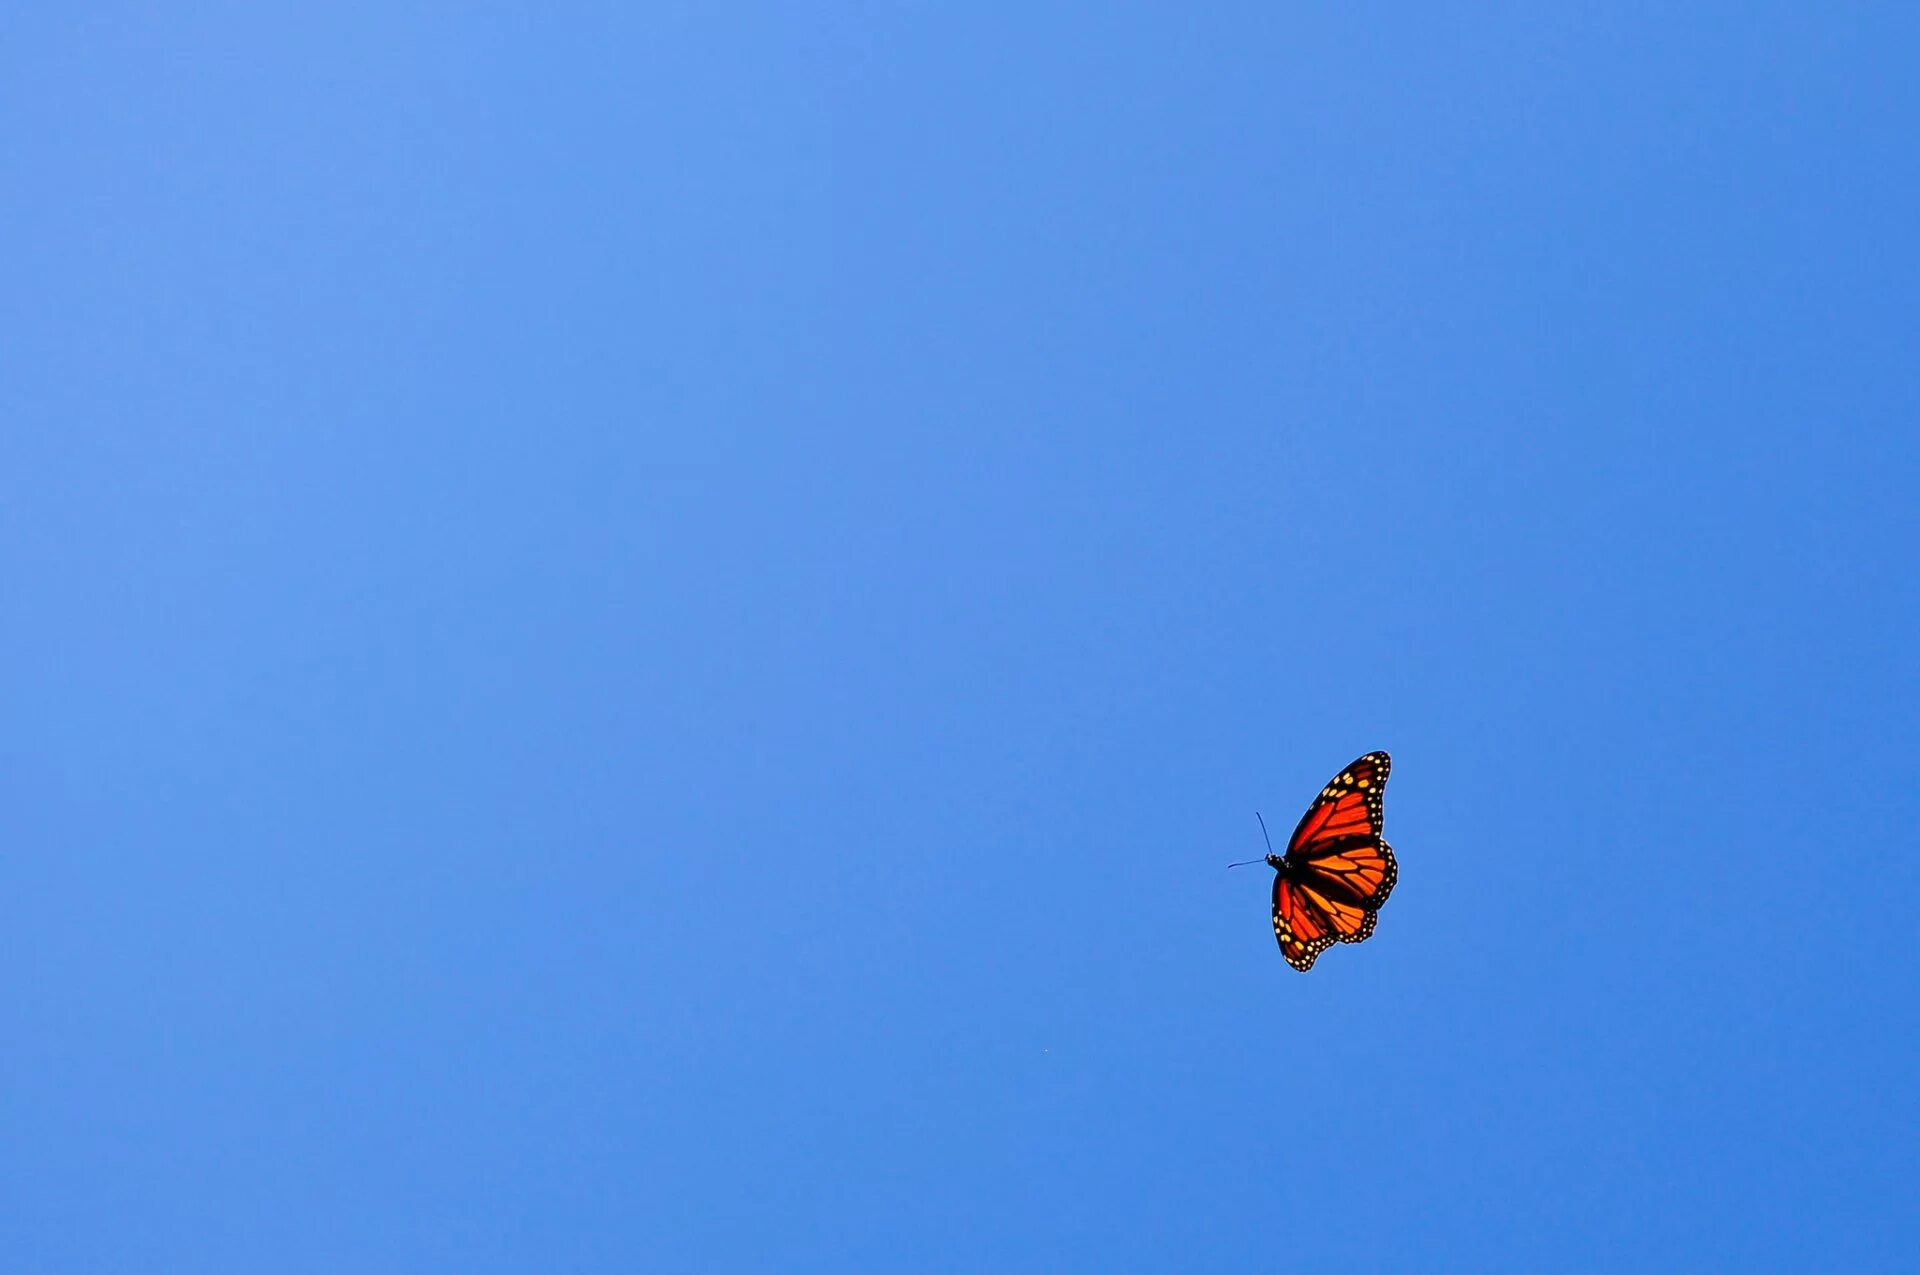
x=635 y=636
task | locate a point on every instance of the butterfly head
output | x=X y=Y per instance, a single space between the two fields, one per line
x=1277 y=863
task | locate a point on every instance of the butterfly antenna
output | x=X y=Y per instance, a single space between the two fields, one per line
x=1263 y=832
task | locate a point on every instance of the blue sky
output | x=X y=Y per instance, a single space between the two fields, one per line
x=636 y=636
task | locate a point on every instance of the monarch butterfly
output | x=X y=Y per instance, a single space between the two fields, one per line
x=1337 y=871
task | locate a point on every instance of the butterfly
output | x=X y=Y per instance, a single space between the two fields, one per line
x=1337 y=871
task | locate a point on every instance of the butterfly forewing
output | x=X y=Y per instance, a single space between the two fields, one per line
x=1350 y=805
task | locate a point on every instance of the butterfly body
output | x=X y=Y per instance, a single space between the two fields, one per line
x=1337 y=870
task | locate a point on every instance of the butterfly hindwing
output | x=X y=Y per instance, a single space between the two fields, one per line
x=1303 y=933
x=1347 y=919
x=1365 y=870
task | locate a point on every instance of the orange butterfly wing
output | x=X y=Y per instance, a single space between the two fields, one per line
x=1337 y=870
x=1302 y=931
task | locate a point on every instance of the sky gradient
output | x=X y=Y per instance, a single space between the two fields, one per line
x=636 y=636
